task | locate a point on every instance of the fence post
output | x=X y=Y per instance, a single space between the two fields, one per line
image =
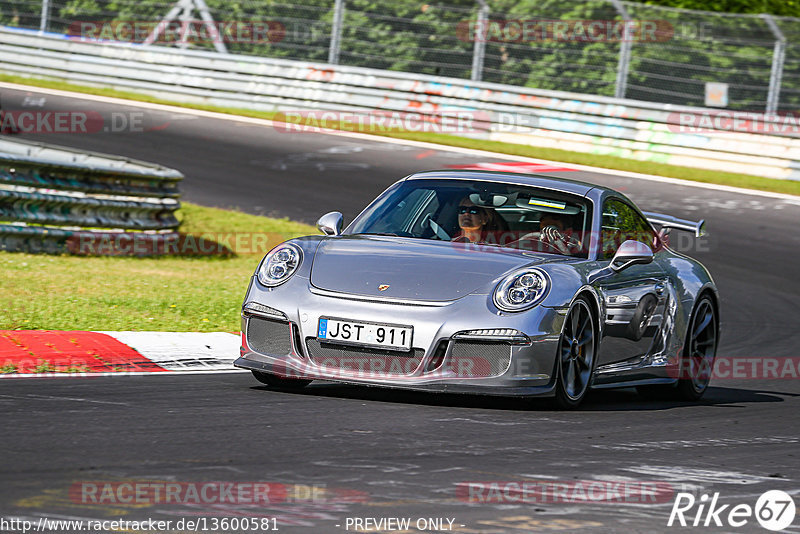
x=776 y=72
x=211 y=27
x=479 y=49
x=336 y=32
x=624 y=51
x=45 y=16
x=182 y=10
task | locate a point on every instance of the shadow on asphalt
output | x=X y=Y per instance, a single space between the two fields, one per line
x=599 y=400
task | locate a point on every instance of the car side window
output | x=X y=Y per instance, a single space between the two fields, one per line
x=620 y=223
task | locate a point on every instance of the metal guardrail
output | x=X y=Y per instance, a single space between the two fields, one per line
x=577 y=122
x=616 y=48
x=54 y=199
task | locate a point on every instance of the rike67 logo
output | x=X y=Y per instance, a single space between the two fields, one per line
x=774 y=510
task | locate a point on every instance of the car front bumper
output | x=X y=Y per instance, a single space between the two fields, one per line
x=279 y=327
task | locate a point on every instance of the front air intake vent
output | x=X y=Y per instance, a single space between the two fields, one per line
x=269 y=337
x=479 y=359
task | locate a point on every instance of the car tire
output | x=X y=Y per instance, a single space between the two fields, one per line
x=697 y=360
x=699 y=351
x=279 y=382
x=576 y=356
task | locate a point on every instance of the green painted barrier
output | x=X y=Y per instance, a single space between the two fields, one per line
x=57 y=200
x=101 y=183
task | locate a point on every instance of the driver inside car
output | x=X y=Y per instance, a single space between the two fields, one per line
x=476 y=223
x=555 y=231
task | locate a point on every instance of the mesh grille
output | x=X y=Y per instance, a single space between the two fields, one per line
x=362 y=360
x=269 y=337
x=477 y=359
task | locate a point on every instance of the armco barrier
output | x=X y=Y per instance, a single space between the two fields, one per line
x=53 y=197
x=583 y=123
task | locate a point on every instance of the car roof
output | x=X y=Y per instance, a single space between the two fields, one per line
x=531 y=179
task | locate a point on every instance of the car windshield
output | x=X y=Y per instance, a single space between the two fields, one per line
x=495 y=214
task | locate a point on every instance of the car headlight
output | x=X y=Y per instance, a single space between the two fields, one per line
x=521 y=290
x=279 y=264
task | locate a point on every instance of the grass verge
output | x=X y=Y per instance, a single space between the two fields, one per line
x=197 y=294
x=565 y=156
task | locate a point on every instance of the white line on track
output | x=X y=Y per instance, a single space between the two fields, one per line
x=52 y=397
x=389 y=140
x=674 y=473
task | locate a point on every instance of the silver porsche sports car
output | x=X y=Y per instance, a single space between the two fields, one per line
x=489 y=283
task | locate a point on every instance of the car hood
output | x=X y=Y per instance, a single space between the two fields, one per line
x=412 y=269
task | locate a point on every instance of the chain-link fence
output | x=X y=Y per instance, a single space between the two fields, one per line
x=601 y=47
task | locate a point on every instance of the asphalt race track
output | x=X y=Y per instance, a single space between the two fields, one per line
x=377 y=453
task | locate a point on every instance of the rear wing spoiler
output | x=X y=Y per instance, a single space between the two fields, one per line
x=668 y=221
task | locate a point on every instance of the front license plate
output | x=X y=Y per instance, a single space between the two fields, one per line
x=385 y=336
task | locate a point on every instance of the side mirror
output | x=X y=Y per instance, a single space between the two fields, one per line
x=330 y=223
x=631 y=253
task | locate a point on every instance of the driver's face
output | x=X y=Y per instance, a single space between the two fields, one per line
x=470 y=215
